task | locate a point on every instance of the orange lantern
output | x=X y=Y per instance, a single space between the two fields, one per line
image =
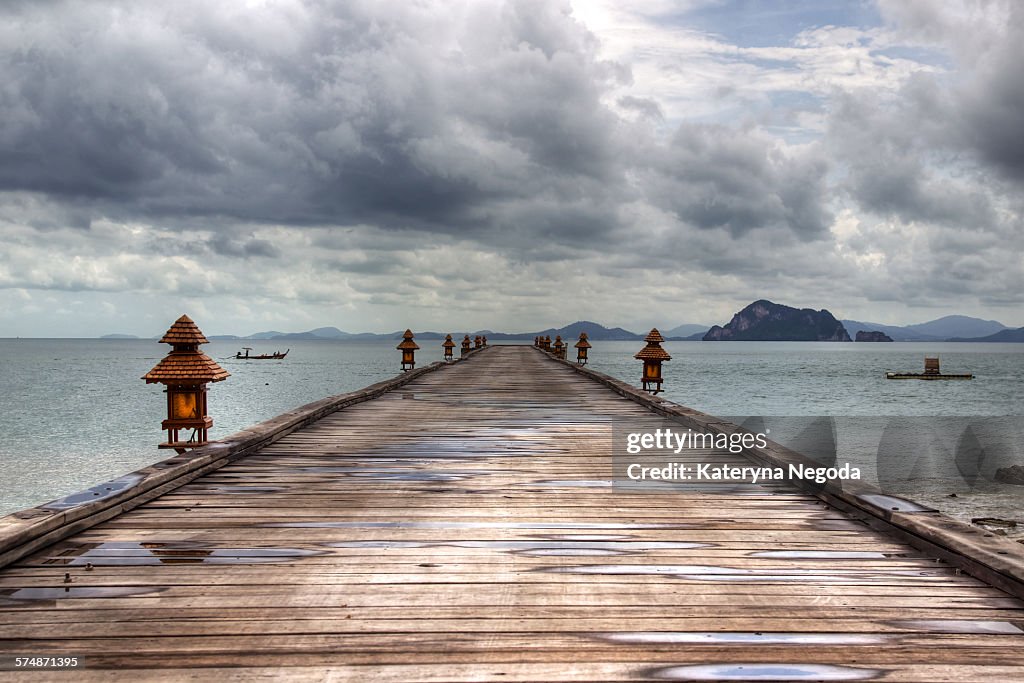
x=408 y=348
x=652 y=355
x=559 y=347
x=466 y=345
x=185 y=370
x=448 y=345
x=582 y=346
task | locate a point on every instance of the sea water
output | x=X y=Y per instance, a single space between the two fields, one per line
x=74 y=412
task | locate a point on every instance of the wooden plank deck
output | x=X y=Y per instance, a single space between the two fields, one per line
x=460 y=528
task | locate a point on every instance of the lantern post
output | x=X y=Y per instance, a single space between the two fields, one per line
x=477 y=342
x=408 y=348
x=185 y=370
x=466 y=346
x=582 y=347
x=448 y=345
x=484 y=339
x=559 y=347
x=652 y=355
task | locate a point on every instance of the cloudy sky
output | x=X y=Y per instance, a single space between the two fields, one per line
x=516 y=164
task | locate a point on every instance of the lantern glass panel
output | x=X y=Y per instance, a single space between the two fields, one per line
x=186 y=405
x=652 y=370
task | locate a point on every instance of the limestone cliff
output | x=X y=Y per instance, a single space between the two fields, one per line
x=767 y=321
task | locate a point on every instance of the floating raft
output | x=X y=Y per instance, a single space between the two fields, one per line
x=922 y=375
x=931 y=371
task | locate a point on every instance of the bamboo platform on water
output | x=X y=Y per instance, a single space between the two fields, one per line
x=460 y=527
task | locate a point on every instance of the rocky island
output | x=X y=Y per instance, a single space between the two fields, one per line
x=767 y=321
x=872 y=336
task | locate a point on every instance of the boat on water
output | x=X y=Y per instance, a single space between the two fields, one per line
x=931 y=371
x=276 y=355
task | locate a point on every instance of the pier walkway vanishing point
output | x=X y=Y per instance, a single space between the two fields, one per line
x=460 y=526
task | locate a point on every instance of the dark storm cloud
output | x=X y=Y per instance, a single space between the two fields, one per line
x=712 y=177
x=993 y=105
x=477 y=121
x=347 y=113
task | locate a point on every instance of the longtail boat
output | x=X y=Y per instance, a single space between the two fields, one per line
x=276 y=355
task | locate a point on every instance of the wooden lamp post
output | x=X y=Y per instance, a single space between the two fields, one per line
x=545 y=342
x=408 y=348
x=582 y=347
x=448 y=345
x=186 y=371
x=652 y=355
x=484 y=339
x=477 y=342
x=559 y=347
x=466 y=344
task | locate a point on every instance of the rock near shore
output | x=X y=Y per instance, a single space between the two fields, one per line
x=1011 y=475
x=872 y=336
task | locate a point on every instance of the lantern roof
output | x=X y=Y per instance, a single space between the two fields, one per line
x=184 y=331
x=653 y=350
x=558 y=340
x=407 y=343
x=183 y=367
x=654 y=336
x=185 y=363
x=583 y=343
x=448 y=343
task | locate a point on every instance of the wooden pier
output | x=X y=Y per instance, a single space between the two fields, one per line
x=459 y=526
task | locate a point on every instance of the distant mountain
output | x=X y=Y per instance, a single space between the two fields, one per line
x=119 y=336
x=764 y=320
x=687 y=330
x=223 y=337
x=595 y=332
x=329 y=333
x=934 y=330
x=958 y=326
x=264 y=335
x=1007 y=335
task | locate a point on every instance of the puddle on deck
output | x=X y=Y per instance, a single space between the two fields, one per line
x=828 y=555
x=762 y=672
x=152 y=554
x=960 y=626
x=537 y=548
x=15 y=596
x=615 y=526
x=747 y=638
x=893 y=503
x=98 y=492
x=713 y=573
